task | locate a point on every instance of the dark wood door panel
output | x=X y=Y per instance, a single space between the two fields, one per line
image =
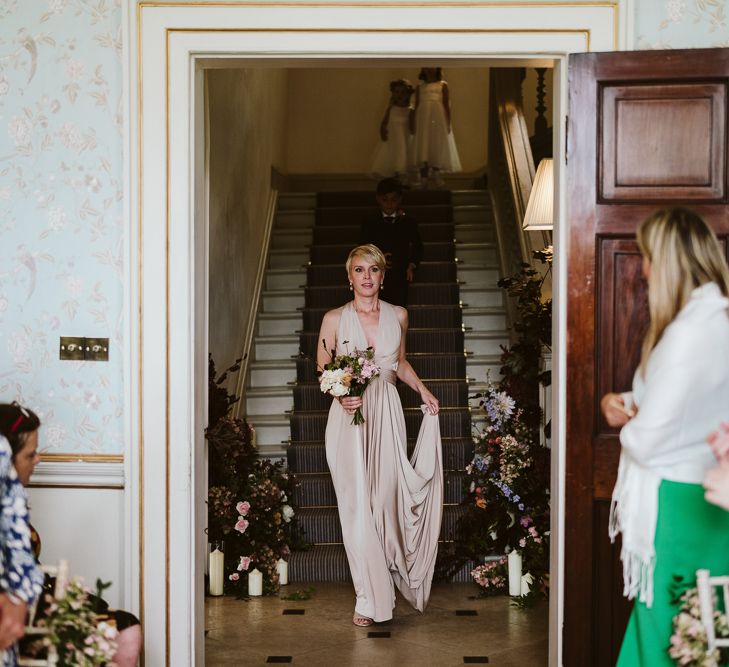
x=674 y=159
x=647 y=130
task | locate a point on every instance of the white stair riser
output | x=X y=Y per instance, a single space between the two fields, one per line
x=478 y=214
x=274 y=453
x=279 y=327
x=484 y=322
x=480 y=255
x=289 y=260
x=296 y=200
x=269 y=405
x=475 y=234
x=482 y=298
x=268 y=350
x=485 y=346
x=294 y=220
x=288 y=280
x=283 y=239
x=479 y=370
x=470 y=198
x=478 y=277
x=273 y=377
x=271 y=435
x=282 y=303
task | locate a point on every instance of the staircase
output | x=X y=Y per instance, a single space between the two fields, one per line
x=440 y=327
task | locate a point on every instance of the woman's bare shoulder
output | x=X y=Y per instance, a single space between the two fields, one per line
x=332 y=317
x=401 y=313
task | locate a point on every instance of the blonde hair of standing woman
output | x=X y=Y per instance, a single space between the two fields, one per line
x=684 y=254
x=368 y=251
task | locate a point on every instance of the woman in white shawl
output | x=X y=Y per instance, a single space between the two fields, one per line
x=680 y=392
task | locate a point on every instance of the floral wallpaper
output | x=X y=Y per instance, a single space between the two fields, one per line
x=679 y=24
x=61 y=223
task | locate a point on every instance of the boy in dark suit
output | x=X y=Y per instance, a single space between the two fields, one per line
x=396 y=235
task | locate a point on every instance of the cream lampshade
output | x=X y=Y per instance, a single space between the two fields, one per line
x=539 y=216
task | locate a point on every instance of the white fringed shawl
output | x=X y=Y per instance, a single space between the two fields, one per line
x=683 y=397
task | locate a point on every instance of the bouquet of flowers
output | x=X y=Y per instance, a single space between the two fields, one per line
x=349 y=375
x=689 y=644
x=74 y=628
x=491 y=576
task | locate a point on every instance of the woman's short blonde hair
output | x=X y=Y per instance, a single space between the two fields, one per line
x=368 y=251
x=684 y=254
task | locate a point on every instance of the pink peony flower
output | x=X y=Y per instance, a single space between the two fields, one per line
x=234 y=577
x=241 y=525
x=243 y=508
x=245 y=562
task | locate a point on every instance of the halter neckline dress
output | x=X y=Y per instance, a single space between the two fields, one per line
x=390 y=507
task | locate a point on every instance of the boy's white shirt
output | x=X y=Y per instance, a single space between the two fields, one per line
x=682 y=398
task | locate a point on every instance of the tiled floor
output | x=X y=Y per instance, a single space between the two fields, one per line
x=256 y=631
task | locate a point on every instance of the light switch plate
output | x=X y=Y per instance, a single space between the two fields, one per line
x=97 y=349
x=72 y=348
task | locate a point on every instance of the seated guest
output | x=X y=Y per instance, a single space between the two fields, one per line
x=21 y=580
x=397 y=236
x=20 y=426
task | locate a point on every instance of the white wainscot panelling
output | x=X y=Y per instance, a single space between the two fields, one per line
x=78 y=510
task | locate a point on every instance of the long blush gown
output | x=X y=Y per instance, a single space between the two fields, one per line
x=390 y=508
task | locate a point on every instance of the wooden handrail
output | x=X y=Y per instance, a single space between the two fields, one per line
x=511 y=173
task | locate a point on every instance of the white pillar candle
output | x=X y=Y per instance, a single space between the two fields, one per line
x=514 y=562
x=255 y=582
x=217 y=568
x=526 y=583
x=282 y=567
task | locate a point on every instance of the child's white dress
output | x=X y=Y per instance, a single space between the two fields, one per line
x=433 y=143
x=394 y=155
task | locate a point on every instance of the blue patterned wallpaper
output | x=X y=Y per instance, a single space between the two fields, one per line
x=678 y=24
x=61 y=223
x=61 y=194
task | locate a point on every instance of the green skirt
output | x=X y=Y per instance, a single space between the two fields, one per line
x=690 y=534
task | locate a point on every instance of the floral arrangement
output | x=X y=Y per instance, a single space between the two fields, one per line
x=250 y=504
x=491 y=576
x=75 y=630
x=689 y=644
x=349 y=375
x=507 y=480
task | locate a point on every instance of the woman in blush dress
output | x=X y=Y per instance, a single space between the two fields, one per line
x=390 y=507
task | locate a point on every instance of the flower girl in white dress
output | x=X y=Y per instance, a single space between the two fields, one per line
x=393 y=154
x=434 y=146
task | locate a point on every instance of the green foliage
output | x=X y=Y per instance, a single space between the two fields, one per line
x=250 y=500
x=507 y=483
x=301 y=594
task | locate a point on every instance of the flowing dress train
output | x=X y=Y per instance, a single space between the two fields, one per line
x=390 y=508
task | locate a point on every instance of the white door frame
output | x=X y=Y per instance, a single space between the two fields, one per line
x=169 y=46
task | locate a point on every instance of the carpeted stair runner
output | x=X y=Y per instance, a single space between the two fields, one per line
x=435 y=345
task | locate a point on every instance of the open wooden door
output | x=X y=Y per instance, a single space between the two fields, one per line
x=646 y=130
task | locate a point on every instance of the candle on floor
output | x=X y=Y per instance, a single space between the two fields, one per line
x=514 y=566
x=217 y=560
x=255 y=582
x=282 y=567
x=526 y=583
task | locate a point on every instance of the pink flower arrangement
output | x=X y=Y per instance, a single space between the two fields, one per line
x=241 y=525
x=243 y=507
x=244 y=564
x=491 y=576
x=689 y=644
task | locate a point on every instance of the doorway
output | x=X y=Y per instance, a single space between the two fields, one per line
x=169 y=238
